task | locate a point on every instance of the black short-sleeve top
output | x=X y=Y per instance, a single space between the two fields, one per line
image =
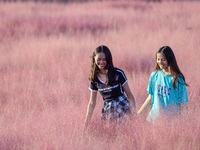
x=112 y=91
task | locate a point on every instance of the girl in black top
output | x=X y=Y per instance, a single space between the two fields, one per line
x=111 y=82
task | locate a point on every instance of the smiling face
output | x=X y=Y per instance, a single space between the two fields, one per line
x=100 y=60
x=162 y=61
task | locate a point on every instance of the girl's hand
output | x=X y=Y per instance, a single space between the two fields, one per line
x=133 y=113
x=133 y=110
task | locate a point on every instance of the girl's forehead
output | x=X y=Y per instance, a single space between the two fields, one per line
x=101 y=54
x=160 y=55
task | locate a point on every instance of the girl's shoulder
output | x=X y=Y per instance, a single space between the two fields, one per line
x=180 y=76
x=156 y=72
x=181 y=79
x=117 y=70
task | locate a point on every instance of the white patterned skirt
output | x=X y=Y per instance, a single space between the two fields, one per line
x=117 y=109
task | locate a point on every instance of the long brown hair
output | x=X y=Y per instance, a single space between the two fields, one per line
x=110 y=73
x=174 y=69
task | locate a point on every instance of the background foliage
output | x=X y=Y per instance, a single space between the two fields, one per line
x=45 y=61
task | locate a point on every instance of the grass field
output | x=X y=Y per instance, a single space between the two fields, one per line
x=45 y=56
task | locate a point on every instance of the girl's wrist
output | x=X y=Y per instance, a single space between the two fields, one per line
x=133 y=109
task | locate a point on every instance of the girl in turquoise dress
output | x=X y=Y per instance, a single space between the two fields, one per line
x=167 y=87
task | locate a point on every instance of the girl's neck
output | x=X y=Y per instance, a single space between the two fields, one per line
x=102 y=72
x=166 y=71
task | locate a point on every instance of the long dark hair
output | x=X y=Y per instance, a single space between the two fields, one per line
x=110 y=73
x=174 y=69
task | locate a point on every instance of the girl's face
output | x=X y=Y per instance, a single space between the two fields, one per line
x=100 y=60
x=162 y=61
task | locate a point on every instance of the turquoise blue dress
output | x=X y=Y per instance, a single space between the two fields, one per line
x=165 y=99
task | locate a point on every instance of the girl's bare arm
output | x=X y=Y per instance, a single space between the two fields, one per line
x=146 y=104
x=91 y=106
x=129 y=95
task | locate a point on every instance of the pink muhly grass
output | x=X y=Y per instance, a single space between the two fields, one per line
x=45 y=61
